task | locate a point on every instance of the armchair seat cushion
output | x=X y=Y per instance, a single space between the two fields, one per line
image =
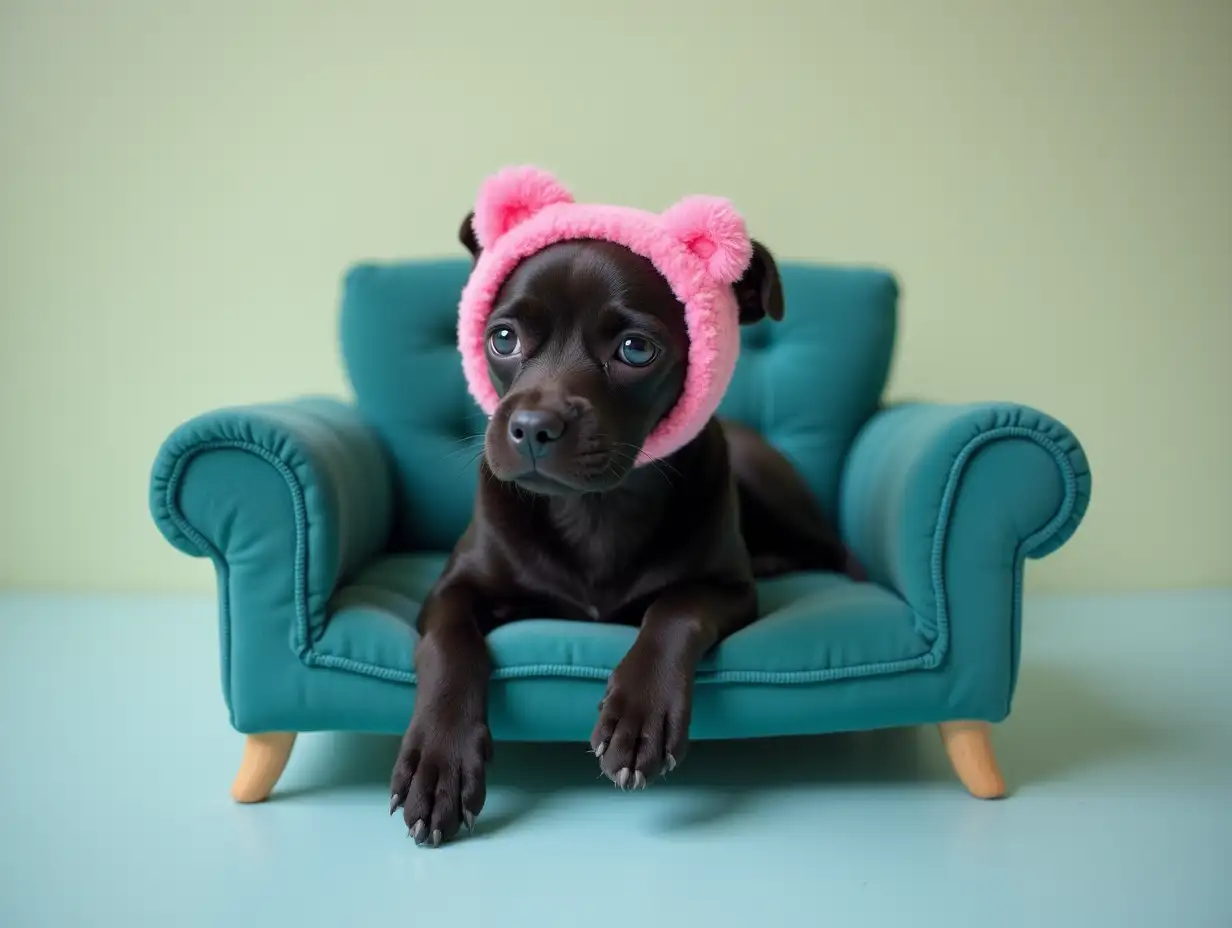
x=814 y=628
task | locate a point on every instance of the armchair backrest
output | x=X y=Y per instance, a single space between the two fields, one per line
x=807 y=383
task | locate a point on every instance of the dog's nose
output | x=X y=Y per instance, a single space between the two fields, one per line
x=532 y=431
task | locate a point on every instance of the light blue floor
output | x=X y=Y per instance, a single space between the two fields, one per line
x=115 y=758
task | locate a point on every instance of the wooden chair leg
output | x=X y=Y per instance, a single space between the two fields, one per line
x=969 y=746
x=265 y=757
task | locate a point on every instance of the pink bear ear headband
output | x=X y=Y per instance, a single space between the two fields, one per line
x=699 y=245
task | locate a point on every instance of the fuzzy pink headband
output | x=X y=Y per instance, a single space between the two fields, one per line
x=700 y=246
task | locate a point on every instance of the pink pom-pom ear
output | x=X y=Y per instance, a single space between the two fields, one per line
x=511 y=196
x=711 y=228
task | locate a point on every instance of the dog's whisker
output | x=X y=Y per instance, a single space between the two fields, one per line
x=469 y=441
x=666 y=476
x=662 y=468
x=457 y=451
x=478 y=454
x=659 y=463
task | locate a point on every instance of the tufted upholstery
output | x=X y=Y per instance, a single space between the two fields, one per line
x=398 y=344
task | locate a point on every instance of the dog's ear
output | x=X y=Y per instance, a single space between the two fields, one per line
x=466 y=235
x=759 y=293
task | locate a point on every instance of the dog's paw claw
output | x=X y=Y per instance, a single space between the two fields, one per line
x=644 y=724
x=439 y=782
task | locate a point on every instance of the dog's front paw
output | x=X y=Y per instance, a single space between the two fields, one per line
x=438 y=780
x=643 y=727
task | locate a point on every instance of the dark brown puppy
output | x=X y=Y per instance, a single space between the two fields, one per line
x=587 y=346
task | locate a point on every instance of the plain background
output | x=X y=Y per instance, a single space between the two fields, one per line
x=182 y=184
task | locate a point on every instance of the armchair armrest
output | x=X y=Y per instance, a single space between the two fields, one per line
x=942 y=503
x=289 y=498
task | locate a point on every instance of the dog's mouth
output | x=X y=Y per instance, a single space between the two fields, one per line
x=546 y=485
x=590 y=472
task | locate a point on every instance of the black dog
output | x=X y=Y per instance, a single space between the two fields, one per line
x=587 y=345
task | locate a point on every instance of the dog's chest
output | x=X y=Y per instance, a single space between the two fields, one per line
x=590 y=559
x=603 y=555
x=591 y=583
x=593 y=605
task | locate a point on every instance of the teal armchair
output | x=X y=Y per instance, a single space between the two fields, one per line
x=328 y=521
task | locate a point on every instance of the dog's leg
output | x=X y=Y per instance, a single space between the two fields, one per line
x=438 y=780
x=643 y=726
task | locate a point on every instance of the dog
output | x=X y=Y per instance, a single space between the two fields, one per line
x=587 y=348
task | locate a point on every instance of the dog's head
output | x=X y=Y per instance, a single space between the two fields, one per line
x=588 y=347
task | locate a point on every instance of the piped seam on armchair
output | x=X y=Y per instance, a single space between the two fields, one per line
x=189 y=531
x=927 y=660
x=1059 y=521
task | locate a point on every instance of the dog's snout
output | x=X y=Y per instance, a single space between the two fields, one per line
x=533 y=431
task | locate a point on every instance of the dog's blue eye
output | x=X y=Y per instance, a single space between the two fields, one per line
x=637 y=351
x=504 y=342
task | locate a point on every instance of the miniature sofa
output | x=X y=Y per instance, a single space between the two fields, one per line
x=328 y=521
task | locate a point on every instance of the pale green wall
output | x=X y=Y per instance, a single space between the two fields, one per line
x=181 y=184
